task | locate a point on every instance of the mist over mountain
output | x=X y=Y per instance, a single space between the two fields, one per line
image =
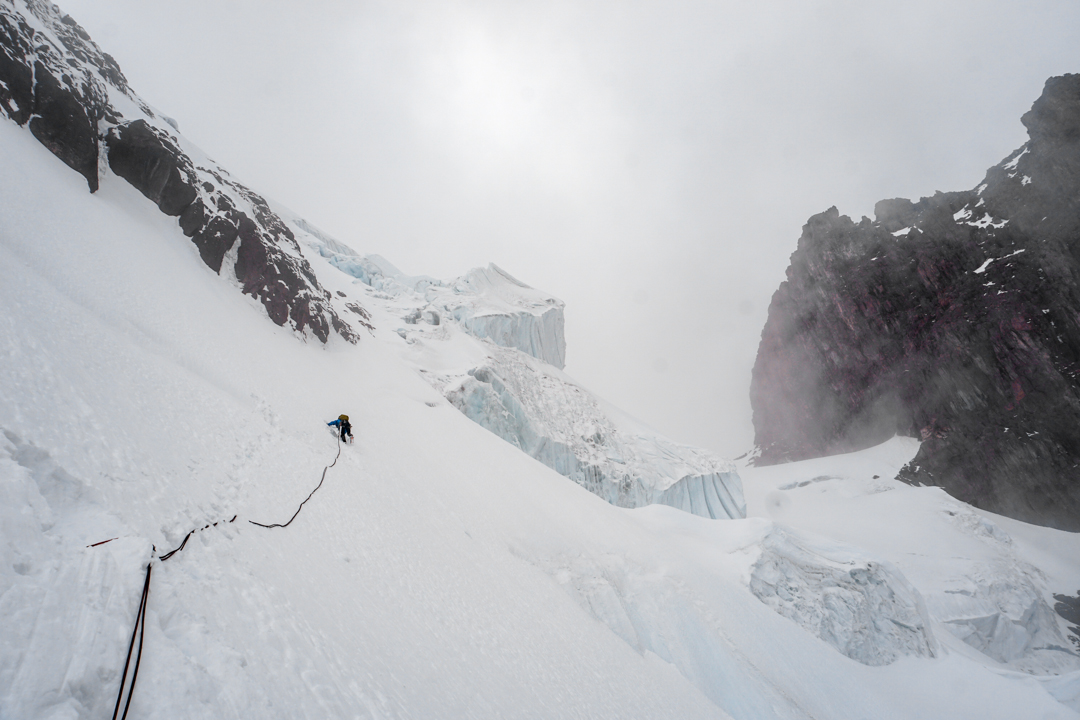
x=494 y=540
x=954 y=319
x=56 y=80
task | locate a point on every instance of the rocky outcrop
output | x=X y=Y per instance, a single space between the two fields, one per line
x=151 y=162
x=77 y=103
x=954 y=319
x=53 y=78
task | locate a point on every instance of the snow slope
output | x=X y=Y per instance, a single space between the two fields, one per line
x=439 y=572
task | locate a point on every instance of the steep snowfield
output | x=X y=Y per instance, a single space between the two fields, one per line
x=439 y=572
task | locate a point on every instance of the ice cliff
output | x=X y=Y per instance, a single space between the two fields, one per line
x=509 y=381
x=954 y=319
x=487 y=303
x=864 y=608
x=556 y=421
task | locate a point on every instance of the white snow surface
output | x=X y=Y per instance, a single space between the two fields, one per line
x=438 y=572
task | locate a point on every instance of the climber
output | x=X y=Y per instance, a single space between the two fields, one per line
x=342 y=424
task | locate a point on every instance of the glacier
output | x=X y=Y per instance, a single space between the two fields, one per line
x=863 y=607
x=513 y=385
x=556 y=421
x=440 y=571
x=488 y=303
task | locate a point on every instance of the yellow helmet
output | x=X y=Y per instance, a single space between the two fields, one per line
x=342 y=417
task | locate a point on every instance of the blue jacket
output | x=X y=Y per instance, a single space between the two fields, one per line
x=344 y=424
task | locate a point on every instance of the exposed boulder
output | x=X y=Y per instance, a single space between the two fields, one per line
x=954 y=319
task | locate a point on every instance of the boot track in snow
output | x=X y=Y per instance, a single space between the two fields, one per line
x=140 y=616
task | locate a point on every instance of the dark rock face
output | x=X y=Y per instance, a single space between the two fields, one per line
x=1069 y=608
x=152 y=163
x=954 y=319
x=61 y=123
x=268 y=263
x=62 y=101
x=59 y=82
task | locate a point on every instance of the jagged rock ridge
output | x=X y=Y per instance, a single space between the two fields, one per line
x=77 y=103
x=955 y=319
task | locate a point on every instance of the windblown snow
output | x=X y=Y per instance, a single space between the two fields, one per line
x=440 y=571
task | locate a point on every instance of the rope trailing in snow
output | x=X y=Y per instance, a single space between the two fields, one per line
x=172 y=552
x=309 y=496
x=140 y=617
x=140 y=630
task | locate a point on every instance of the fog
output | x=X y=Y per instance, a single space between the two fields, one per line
x=651 y=163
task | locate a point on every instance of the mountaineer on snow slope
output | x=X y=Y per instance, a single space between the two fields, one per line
x=342 y=423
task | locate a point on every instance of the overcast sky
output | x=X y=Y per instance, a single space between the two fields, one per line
x=650 y=163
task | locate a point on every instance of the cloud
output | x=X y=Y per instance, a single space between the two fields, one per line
x=605 y=151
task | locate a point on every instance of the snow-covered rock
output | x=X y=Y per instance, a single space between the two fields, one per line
x=74 y=99
x=952 y=319
x=863 y=607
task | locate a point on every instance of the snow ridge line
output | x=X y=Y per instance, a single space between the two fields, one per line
x=140 y=616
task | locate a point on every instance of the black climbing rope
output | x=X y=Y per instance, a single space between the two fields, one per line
x=275 y=525
x=172 y=552
x=140 y=617
x=140 y=630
